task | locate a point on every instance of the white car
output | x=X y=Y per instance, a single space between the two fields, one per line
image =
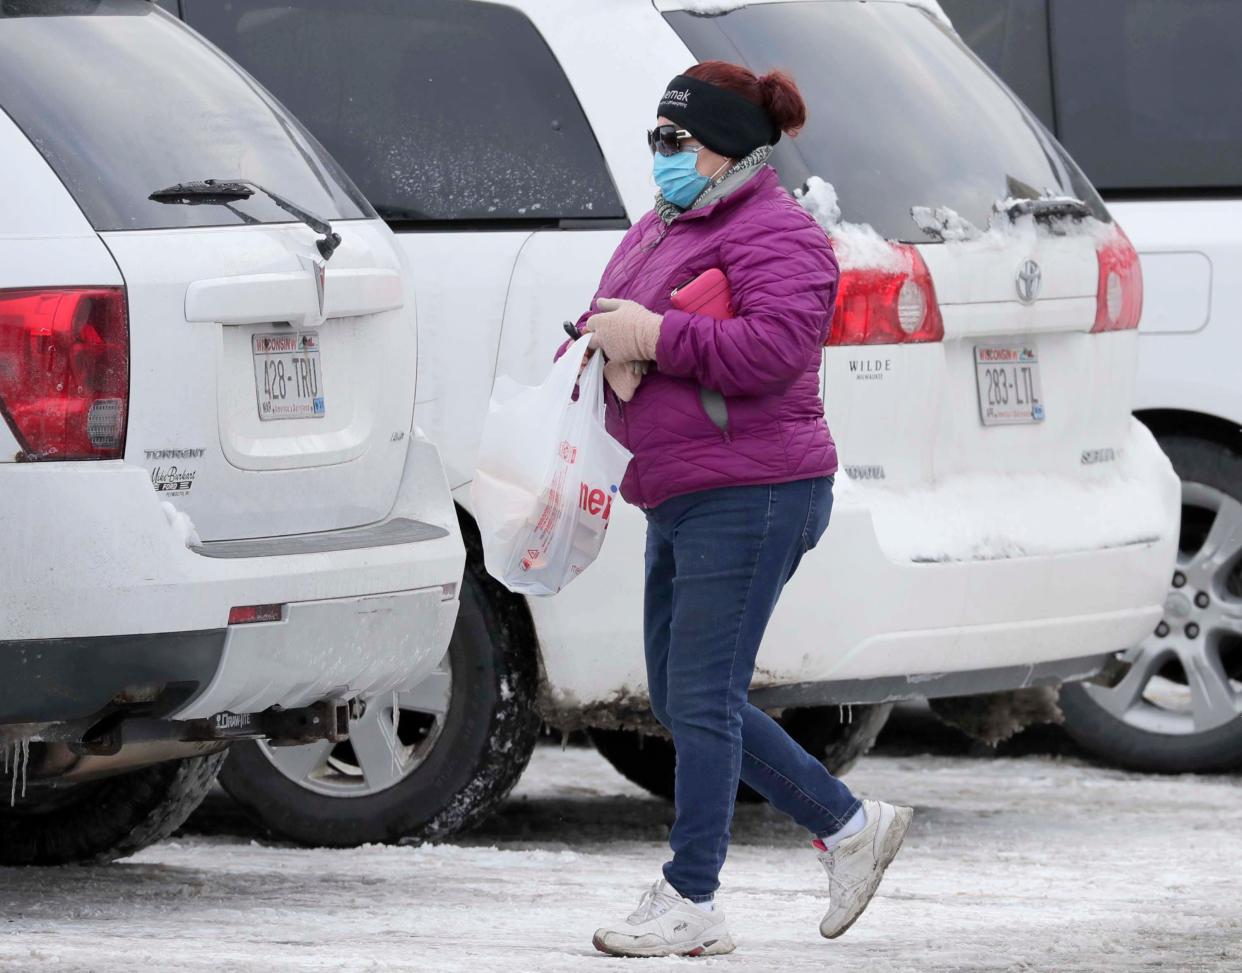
x=1001 y=520
x=219 y=520
x=1143 y=99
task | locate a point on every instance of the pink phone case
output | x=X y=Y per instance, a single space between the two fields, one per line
x=706 y=294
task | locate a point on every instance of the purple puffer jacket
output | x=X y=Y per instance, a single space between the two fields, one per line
x=765 y=362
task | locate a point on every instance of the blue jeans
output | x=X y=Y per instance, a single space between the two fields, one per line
x=716 y=563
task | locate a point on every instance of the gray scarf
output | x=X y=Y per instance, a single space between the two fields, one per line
x=742 y=170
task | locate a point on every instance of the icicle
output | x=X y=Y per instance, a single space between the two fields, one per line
x=396 y=740
x=17 y=767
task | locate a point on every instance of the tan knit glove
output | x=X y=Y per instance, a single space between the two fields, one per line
x=625 y=330
x=624 y=377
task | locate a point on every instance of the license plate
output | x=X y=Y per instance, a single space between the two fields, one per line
x=1008 y=382
x=288 y=375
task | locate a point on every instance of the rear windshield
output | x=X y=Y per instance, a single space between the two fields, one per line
x=442 y=110
x=901 y=113
x=122 y=99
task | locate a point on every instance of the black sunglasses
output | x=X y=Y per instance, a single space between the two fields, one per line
x=667 y=139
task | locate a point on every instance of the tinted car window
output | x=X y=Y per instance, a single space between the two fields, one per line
x=440 y=109
x=122 y=99
x=901 y=113
x=1012 y=38
x=1147 y=93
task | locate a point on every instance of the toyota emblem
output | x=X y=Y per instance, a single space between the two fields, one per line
x=1029 y=279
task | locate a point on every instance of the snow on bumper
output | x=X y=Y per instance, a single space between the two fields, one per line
x=1133 y=497
x=340 y=647
x=1052 y=570
x=989 y=571
x=91 y=553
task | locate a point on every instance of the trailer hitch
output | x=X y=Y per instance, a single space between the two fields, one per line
x=325 y=720
x=1110 y=676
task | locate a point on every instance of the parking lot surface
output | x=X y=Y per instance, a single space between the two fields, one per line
x=1026 y=863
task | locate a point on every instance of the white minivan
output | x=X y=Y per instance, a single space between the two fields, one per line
x=1143 y=95
x=219 y=521
x=1001 y=520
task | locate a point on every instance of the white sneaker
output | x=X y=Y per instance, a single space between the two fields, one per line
x=856 y=865
x=665 y=924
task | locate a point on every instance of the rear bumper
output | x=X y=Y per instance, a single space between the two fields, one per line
x=857 y=611
x=337 y=648
x=891 y=689
x=66 y=680
x=1116 y=498
x=94 y=560
x=1069 y=570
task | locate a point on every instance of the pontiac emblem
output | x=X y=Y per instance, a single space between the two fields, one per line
x=1029 y=280
x=320 y=270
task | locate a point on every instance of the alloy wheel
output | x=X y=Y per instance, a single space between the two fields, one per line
x=387 y=743
x=1186 y=677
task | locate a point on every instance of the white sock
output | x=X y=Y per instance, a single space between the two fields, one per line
x=851 y=827
x=708 y=906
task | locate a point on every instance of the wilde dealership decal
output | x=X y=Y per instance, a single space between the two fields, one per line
x=173 y=480
x=870 y=369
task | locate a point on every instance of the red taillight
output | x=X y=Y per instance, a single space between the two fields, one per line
x=889 y=305
x=1119 y=293
x=64 y=371
x=245 y=614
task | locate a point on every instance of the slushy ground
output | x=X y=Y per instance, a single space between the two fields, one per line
x=1016 y=863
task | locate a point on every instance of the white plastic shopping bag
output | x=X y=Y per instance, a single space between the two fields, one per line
x=547 y=477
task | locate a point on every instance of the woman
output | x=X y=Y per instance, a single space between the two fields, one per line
x=733 y=465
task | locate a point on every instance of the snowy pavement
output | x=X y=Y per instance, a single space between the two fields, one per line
x=1024 y=864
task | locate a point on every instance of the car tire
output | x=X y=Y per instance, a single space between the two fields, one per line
x=1178 y=709
x=100 y=821
x=484 y=740
x=838 y=735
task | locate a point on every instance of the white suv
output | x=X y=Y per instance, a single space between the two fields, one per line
x=1001 y=521
x=1144 y=97
x=218 y=518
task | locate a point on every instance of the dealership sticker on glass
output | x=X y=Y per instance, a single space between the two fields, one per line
x=288 y=375
x=1008 y=382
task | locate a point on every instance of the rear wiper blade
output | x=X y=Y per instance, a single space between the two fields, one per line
x=222 y=192
x=1048 y=207
x=211 y=192
x=943 y=224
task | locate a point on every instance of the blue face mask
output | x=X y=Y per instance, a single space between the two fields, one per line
x=678 y=179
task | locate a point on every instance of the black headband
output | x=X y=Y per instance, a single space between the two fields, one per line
x=722 y=120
